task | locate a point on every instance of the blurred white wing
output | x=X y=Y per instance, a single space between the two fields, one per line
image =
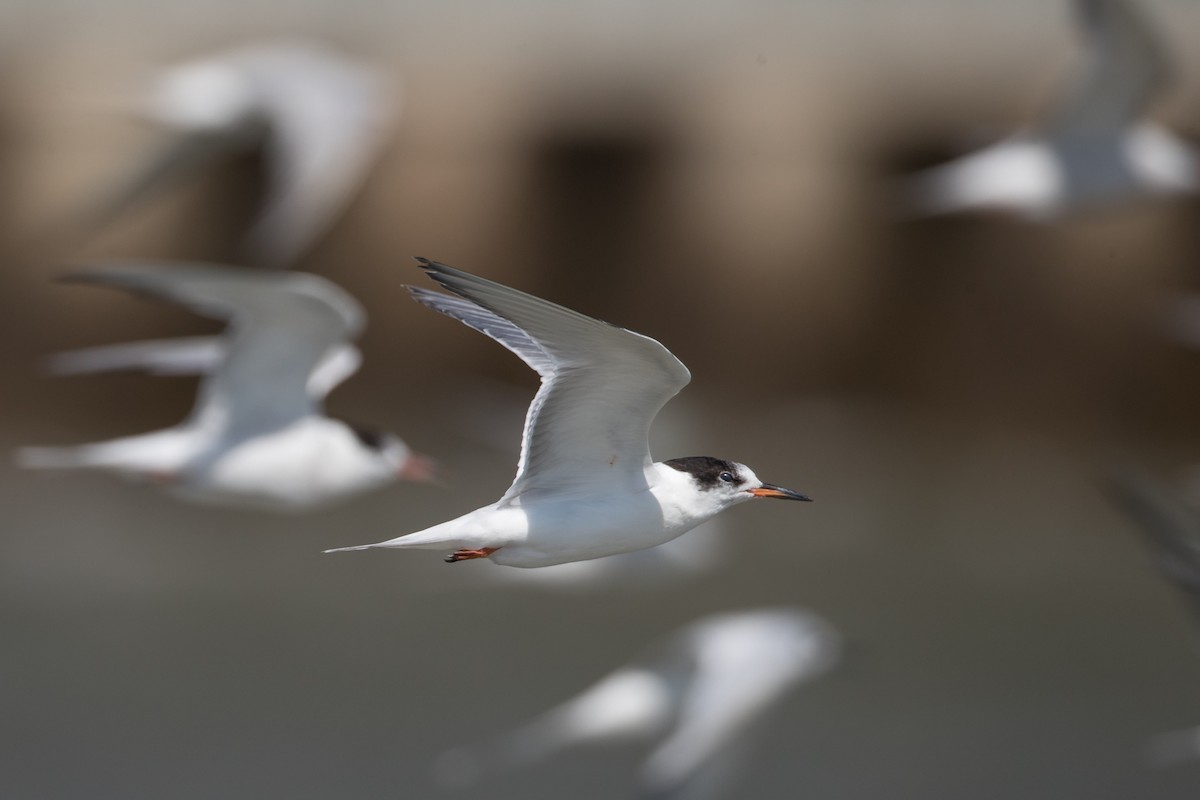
x=743 y=663
x=1124 y=68
x=321 y=119
x=601 y=385
x=282 y=326
x=629 y=703
x=703 y=688
x=327 y=118
x=1020 y=173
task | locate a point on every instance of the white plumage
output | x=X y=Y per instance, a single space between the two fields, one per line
x=320 y=119
x=257 y=434
x=586 y=485
x=1093 y=150
x=699 y=695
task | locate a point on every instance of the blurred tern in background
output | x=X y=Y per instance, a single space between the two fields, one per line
x=257 y=435
x=319 y=118
x=586 y=486
x=1171 y=528
x=701 y=694
x=1169 y=525
x=1094 y=149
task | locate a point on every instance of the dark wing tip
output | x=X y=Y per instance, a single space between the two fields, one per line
x=433 y=267
x=449 y=278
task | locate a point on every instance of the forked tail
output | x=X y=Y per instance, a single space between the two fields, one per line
x=356 y=547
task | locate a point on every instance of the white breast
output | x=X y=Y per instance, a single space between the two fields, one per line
x=576 y=527
x=310 y=463
x=1160 y=160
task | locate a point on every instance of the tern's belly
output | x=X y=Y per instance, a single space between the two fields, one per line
x=286 y=471
x=575 y=531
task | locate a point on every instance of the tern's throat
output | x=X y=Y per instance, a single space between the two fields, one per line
x=684 y=503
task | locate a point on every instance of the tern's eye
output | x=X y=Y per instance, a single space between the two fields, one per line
x=726 y=476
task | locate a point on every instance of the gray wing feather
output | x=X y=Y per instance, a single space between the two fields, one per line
x=193 y=355
x=282 y=327
x=601 y=385
x=489 y=324
x=327 y=117
x=1124 y=69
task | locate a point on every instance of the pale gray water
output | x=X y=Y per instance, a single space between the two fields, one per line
x=1007 y=637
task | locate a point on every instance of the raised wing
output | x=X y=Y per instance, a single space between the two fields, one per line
x=139 y=182
x=327 y=117
x=282 y=327
x=1124 y=67
x=630 y=703
x=743 y=663
x=601 y=385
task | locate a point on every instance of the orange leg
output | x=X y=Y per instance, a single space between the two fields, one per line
x=467 y=555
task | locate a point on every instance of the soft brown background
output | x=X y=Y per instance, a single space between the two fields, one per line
x=714 y=174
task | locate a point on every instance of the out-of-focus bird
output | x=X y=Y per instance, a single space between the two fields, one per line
x=1093 y=150
x=257 y=435
x=1171 y=528
x=586 y=486
x=318 y=117
x=700 y=695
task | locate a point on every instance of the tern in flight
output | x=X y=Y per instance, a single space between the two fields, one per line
x=1095 y=149
x=586 y=485
x=700 y=695
x=318 y=118
x=257 y=435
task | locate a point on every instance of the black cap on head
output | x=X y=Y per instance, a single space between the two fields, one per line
x=706 y=469
x=371 y=438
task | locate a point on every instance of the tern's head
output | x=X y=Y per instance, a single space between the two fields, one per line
x=727 y=483
x=393 y=457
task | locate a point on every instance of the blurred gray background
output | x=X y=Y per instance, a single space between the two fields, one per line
x=718 y=175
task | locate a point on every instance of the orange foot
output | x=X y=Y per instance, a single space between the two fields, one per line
x=467 y=555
